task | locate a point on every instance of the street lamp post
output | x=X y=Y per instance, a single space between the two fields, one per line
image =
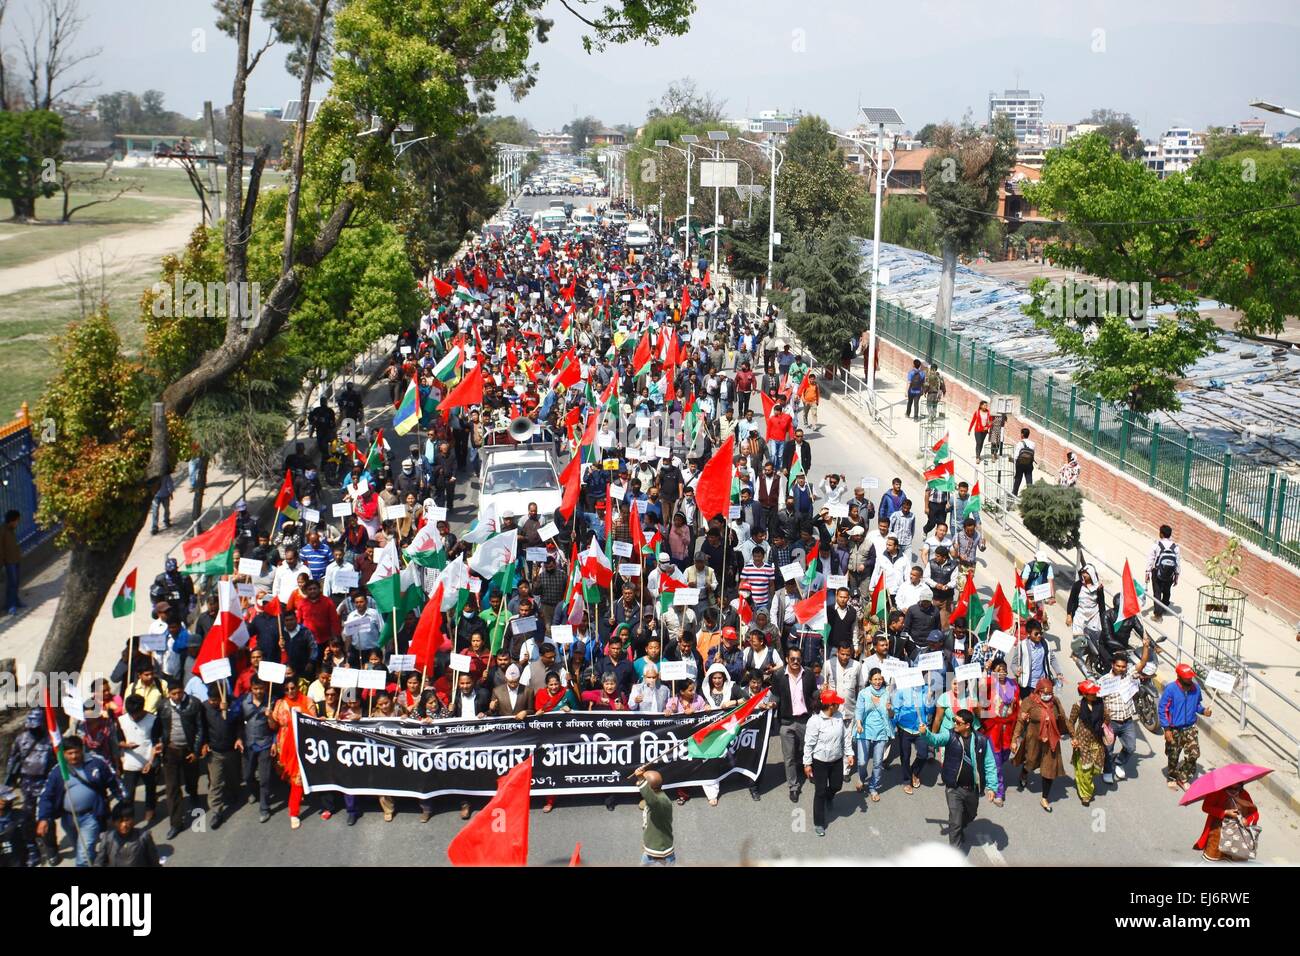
x=717 y=136
x=690 y=139
x=1275 y=108
x=777 y=158
x=664 y=144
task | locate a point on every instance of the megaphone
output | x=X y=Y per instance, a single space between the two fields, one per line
x=522 y=429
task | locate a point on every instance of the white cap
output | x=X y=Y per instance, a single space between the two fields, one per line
x=512 y=672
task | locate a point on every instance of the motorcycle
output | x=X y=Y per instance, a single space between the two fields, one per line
x=1095 y=665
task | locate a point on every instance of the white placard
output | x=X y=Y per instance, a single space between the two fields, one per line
x=674 y=670
x=1111 y=684
x=344 y=677
x=1128 y=691
x=437 y=513
x=617 y=492
x=792 y=571
x=1041 y=592
x=561 y=633
x=399 y=663
x=836 y=581
x=889 y=665
x=246 y=590
x=524 y=625
x=686 y=597
x=311 y=515
x=930 y=661
x=154 y=642
x=1002 y=641
x=395 y=512
x=271 y=672
x=648 y=450
x=1221 y=680
x=733 y=512
x=838 y=509
x=341 y=510
x=355 y=626
x=406 y=350
x=345 y=580
x=968 y=672
x=663 y=451
x=622 y=549
x=460 y=663
x=633 y=454
x=640 y=504
x=629 y=570
x=214 y=671
x=536 y=555
x=250 y=566
x=911 y=677
x=372 y=679
x=548 y=531
x=869 y=484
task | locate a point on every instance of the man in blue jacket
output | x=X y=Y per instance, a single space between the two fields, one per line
x=1178 y=708
x=964 y=767
x=84 y=796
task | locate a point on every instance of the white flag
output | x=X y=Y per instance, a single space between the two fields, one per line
x=386 y=563
x=494 y=553
x=483 y=527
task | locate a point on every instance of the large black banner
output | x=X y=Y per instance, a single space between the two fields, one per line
x=590 y=752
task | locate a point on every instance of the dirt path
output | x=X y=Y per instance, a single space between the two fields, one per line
x=129 y=249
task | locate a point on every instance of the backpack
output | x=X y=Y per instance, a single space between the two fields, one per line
x=915 y=382
x=1166 y=564
x=1026 y=457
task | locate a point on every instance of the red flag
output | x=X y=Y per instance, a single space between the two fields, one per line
x=967 y=592
x=713 y=489
x=501 y=273
x=571 y=479
x=468 y=392
x=442 y=289
x=498 y=834
x=545 y=248
x=285 y=496
x=568 y=291
x=634 y=527
x=427 y=639
x=460 y=276
x=1006 y=618
x=686 y=300
x=272 y=607
x=706 y=281
x=769 y=403
x=480 y=278
x=641 y=357
x=1131 y=607
x=576 y=859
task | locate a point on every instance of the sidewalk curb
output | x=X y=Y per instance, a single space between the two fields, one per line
x=1280 y=783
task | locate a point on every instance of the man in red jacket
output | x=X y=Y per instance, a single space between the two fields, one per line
x=318 y=614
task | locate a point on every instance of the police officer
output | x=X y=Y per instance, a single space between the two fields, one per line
x=174 y=588
x=30 y=762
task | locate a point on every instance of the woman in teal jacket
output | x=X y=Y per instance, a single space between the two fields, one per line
x=873 y=730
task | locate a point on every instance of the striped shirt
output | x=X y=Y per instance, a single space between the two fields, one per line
x=317 y=559
x=759 y=579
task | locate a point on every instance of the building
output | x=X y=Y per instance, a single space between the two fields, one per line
x=754 y=124
x=1024 y=109
x=606 y=137
x=1250 y=127
x=1058 y=134
x=1178 y=148
x=553 y=142
x=1031 y=156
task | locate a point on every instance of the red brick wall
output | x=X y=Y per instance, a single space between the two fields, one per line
x=1271 y=581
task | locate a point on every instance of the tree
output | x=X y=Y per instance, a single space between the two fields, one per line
x=1226 y=230
x=582 y=130
x=814 y=184
x=102 y=185
x=50 y=63
x=745 y=250
x=508 y=129
x=927 y=133
x=1120 y=131
x=824 y=293
x=450 y=195
x=1129 y=364
x=31 y=146
x=961 y=182
x=906 y=221
x=1220 y=144
x=1053 y=515
x=683 y=98
x=425 y=62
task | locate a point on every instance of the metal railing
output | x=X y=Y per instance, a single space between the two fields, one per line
x=1253 y=501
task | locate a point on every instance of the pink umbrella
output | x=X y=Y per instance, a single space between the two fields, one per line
x=1221 y=779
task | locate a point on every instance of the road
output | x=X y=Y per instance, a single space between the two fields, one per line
x=1137 y=822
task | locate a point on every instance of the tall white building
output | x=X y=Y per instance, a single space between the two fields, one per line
x=1025 y=110
x=1178 y=148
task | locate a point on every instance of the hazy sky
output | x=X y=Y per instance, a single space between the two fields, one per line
x=1193 y=62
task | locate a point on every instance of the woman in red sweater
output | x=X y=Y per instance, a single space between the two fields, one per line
x=979 y=423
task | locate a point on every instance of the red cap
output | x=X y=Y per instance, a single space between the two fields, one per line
x=1185 y=671
x=1088 y=687
x=829 y=697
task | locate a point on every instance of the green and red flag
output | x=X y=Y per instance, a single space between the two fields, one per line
x=974 y=503
x=56 y=738
x=213 y=551
x=940 y=477
x=712 y=740
x=1131 y=606
x=811 y=573
x=1020 y=600
x=879 y=608
x=284 y=497
x=124 y=602
x=941 y=450
x=998 y=615
x=963 y=600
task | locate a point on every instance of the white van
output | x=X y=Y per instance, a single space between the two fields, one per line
x=549 y=221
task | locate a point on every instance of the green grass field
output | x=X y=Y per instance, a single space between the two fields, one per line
x=31 y=319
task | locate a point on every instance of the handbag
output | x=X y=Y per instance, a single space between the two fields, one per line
x=1238 y=841
x=1107 y=734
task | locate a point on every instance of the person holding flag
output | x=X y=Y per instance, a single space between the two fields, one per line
x=77 y=791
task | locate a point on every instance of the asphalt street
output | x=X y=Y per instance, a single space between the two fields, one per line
x=1136 y=822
